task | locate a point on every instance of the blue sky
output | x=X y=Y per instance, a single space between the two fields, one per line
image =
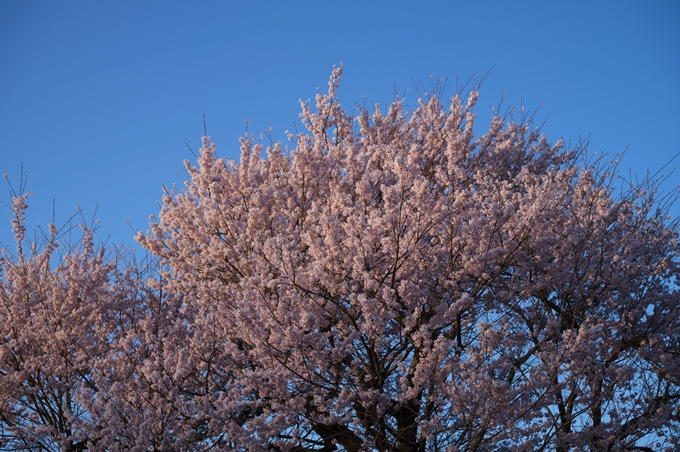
x=97 y=99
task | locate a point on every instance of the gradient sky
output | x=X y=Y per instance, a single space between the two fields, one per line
x=97 y=99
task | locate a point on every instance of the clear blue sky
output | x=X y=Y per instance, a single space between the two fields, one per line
x=97 y=99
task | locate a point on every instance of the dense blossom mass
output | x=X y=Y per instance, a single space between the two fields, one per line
x=389 y=282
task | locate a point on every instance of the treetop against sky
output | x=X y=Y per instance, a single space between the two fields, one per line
x=98 y=100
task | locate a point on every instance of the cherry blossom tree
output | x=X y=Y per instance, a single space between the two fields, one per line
x=392 y=282
x=57 y=306
x=87 y=338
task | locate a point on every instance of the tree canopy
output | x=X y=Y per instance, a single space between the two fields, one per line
x=388 y=281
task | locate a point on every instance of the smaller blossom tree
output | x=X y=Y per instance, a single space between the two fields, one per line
x=58 y=308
